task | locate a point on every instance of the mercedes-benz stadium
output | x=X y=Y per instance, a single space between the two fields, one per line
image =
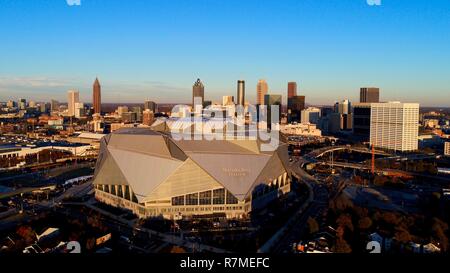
x=152 y=174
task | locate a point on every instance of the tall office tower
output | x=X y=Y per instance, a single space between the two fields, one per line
x=148 y=117
x=292 y=89
x=79 y=110
x=73 y=97
x=97 y=97
x=326 y=110
x=394 y=126
x=44 y=107
x=54 y=106
x=198 y=90
x=271 y=100
x=261 y=91
x=241 y=92
x=227 y=100
x=344 y=107
x=295 y=106
x=151 y=105
x=32 y=104
x=138 y=111
x=22 y=104
x=369 y=94
x=361 y=120
x=310 y=115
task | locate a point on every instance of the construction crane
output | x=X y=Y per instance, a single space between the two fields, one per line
x=373 y=160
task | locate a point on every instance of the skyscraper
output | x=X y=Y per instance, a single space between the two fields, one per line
x=394 y=126
x=261 y=91
x=227 y=100
x=271 y=100
x=22 y=104
x=310 y=115
x=295 y=106
x=292 y=89
x=344 y=107
x=54 y=106
x=10 y=104
x=97 y=97
x=369 y=94
x=151 y=105
x=73 y=97
x=138 y=111
x=198 y=90
x=361 y=120
x=79 y=110
x=241 y=92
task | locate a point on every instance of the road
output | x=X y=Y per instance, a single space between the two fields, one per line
x=360 y=166
x=315 y=210
x=14 y=220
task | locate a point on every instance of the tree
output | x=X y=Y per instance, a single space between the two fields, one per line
x=27 y=234
x=342 y=246
x=380 y=180
x=358 y=180
x=90 y=243
x=439 y=229
x=313 y=225
x=341 y=203
x=365 y=223
x=419 y=167
x=345 y=221
x=403 y=236
x=361 y=212
x=391 y=218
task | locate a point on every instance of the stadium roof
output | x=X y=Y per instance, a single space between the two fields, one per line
x=144 y=159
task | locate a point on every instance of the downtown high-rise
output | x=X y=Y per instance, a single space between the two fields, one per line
x=261 y=90
x=73 y=97
x=97 y=97
x=369 y=94
x=150 y=105
x=241 y=92
x=198 y=91
x=394 y=126
x=292 y=89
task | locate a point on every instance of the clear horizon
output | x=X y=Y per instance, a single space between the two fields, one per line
x=157 y=49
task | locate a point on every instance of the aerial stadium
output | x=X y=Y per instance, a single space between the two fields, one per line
x=147 y=171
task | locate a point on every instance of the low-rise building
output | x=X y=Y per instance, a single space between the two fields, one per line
x=300 y=129
x=447 y=148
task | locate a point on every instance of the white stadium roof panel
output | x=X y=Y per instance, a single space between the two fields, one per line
x=143 y=172
x=237 y=173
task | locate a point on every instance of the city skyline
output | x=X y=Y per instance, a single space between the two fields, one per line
x=155 y=58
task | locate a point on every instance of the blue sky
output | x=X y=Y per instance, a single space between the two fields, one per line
x=156 y=49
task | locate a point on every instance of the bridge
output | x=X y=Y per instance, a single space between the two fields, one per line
x=322 y=151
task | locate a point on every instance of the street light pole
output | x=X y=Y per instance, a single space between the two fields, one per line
x=21 y=203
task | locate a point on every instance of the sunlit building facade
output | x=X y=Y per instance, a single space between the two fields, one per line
x=394 y=126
